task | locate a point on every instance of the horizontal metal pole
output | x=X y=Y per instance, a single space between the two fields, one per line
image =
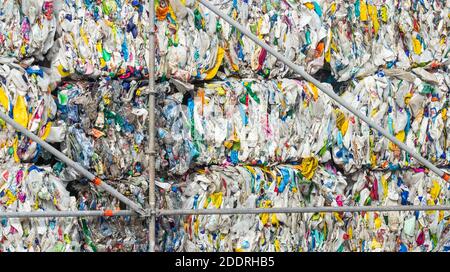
x=72 y=164
x=302 y=210
x=326 y=89
x=66 y=214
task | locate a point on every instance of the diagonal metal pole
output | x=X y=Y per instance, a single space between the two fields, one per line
x=327 y=90
x=97 y=181
x=303 y=210
x=151 y=130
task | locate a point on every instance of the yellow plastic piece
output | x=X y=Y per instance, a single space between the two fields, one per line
x=315 y=91
x=308 y=167
x=20 y=111
x=377 y=223
x=47 y=131
x=196 y=225
x=62 y=72
x=309 y=5
x=375 y=244
x=216 y=199
x=333 y=8
x=83 y=36
x=11 y=198
x=213 y=71
x=363 y=10
x=417 y=47
x=435 y=190
x=385 y=186
x=276 y=243
x=274 y=220
x=384 y=15
x=401 y=136
x=4 y=101
x=374 y=15
x=264 y=218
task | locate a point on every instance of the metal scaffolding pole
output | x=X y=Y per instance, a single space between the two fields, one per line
x=97 y=181
x=66 y=214
x=151 y=129
x=328 y=91
x=302 y=210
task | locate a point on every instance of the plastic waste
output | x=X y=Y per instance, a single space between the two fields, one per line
x=31 y=188
x=246 y=186
x=266 y=122
x=106 y=38
x=27 y=29
x=367 y=35
x=112 y=234
x=411 y=106
x=353 y=38
x=106 y=126
x=109 y=38
x=25 y=97
x=249 y=121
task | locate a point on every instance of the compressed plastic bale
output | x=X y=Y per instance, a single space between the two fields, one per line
x=112 y=234
x=409 y=106
x=25 y=97
x=100 y=39
x=366 y=35
x=252 y=187
x=243 y=121
x=27 y=29
x=195 y=43
x=31 y=188
x=106 y=126
x=284 y=120
x=109 y=38
x=352 y=38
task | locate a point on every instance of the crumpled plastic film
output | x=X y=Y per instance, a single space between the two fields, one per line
x=112 y=234
x=31 y=188
x=233 y=121
x=25 y=97
x=105 y=126
x=27 y=28
x=285 y=186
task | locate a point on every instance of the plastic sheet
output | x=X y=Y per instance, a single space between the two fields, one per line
x=25 y=188
x=105 y=126
x=287 y=186
x=27 y=29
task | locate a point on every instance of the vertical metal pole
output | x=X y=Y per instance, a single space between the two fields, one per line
x=151 y=129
